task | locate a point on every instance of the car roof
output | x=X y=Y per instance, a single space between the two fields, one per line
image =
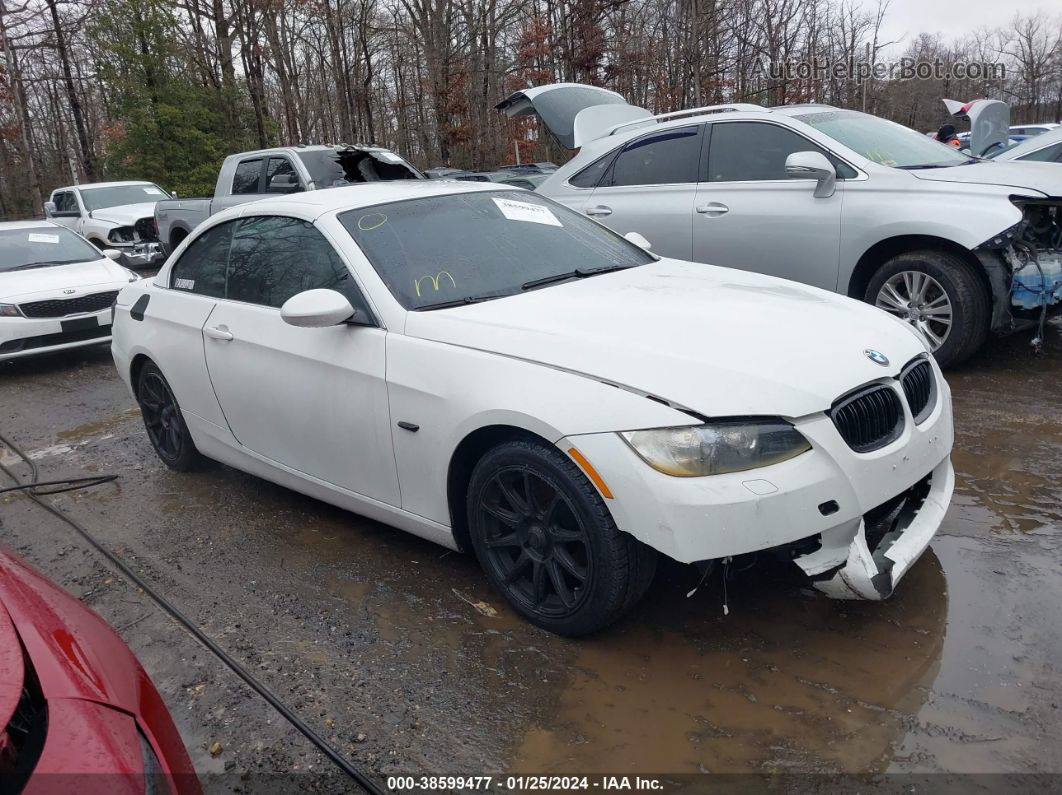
x=88 y=185
x=6 y=226
x=350 y=197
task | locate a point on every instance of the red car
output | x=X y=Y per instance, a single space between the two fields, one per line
x=75 y=701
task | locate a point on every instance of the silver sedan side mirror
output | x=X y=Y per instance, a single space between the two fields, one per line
x=112 y=253
x=640 y=240
x=316 y=309
x=813 y=165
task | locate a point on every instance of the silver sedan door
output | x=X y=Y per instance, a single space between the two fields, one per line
x=748 y=215
x=650 y=188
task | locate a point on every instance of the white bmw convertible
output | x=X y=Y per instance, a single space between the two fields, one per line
x=487 y=369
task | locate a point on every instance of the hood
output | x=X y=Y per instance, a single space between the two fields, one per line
x=1042 y=178
x=11 y=669
x=74 y=653
x=81 y=277
x=125 y=214
x=720 y=342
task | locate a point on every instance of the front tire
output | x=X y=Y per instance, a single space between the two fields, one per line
x=547 y=542
x=164 y=422
x=939 y=294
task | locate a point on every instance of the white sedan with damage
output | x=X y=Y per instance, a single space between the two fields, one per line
x=487 y=369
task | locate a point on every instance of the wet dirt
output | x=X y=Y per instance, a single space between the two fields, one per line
x=387 y=644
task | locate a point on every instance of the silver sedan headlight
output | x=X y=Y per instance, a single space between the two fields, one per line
x=718 y=447
x=9 y=310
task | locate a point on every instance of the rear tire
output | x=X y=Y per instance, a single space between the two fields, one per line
x=939 y=293
x=164 y=422
x=548 y=543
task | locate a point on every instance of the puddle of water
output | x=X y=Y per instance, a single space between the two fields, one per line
x=785 y=680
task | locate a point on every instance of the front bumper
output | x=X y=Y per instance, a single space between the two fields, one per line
x=20 y=336
x=140 y=255
x=825 y=492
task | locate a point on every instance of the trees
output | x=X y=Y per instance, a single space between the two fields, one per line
x=163 y=89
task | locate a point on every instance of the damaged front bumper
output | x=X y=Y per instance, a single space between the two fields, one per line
x=867 y=557
x=140 y=255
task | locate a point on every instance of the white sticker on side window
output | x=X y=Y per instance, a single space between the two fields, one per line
x=153 y=191
x=184 y=284
x=37 y=237
x=522 y=211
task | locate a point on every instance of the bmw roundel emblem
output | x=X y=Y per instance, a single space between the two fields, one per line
x=876 y=356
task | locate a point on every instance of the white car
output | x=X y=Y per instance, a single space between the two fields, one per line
x=490 y=370
x=56 y=289
x=114 y=215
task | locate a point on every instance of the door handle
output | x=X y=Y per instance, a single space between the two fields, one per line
x=712 y=209
x=601 y=210
x=220 y=333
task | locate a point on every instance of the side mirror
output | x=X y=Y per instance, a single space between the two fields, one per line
x=283 y=183
x=112 y=253
x=316 y=309
x=813 y=165
x=49 y=209
x=639 y=240
x=173 y=194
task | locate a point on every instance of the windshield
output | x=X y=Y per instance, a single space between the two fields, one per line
x=480 y=245
x=116 y=196
x=41 y=246
x=884 y=142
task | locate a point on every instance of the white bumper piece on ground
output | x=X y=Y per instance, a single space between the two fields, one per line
x=874 y=575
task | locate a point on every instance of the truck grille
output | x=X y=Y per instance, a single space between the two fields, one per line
x=920 y=388
x=868 y=419
x=61 y=307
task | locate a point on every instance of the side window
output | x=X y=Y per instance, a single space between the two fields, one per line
x=201 y=268
x=590 y=176
x=661 y=159
x=246 y=179
x=65 y=202
x=274 y=257
x=281 y=176
x=741 y=151
x=1049 y=154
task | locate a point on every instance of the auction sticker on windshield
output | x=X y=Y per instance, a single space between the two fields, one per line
x=36 y=237
x=522 y=211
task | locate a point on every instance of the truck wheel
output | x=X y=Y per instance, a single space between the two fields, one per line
x=939 y=294
x=547 y=542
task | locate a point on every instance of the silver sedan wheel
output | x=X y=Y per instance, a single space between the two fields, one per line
x=919 y=299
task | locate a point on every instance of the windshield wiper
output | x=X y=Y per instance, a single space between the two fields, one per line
x=578 y=273
x=470 y=299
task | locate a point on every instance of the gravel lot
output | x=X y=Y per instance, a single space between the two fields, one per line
x=398 y=652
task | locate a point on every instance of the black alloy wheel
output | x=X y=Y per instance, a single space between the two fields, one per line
x=534 y=542
x=163 y=421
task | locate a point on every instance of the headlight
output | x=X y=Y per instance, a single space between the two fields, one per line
x=123 y=234
x=718 y=447
x=9 y=310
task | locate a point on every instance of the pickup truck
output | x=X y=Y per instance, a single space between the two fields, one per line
x=249 y=176
x=112 y=215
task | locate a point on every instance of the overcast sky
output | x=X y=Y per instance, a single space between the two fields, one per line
x=908 y=18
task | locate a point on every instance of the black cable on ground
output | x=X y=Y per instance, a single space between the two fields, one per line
x=305 y=729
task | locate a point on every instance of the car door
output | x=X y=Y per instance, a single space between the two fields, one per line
x=749 y=215
x=67 y=209
x=650 y=188
x=311 y=399
x=246 y=184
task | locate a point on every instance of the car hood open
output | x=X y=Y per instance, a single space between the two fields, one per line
x=717 y=341
x=1045 y=178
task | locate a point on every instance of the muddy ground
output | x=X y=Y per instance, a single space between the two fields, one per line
x=377 y=639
